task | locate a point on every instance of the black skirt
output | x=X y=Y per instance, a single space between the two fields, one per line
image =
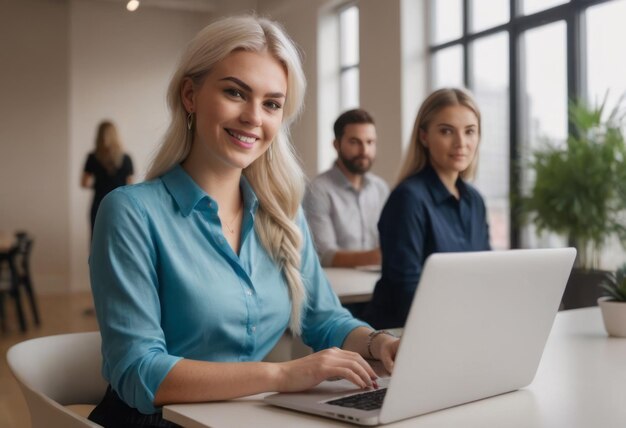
x=114 y=413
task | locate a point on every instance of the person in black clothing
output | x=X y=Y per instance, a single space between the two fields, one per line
x=433 y=208
x=106 y=168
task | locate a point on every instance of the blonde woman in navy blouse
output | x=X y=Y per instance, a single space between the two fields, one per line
x=433 y=208
x=197 y=272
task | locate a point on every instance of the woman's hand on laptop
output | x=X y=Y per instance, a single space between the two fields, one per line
x=384 y=347
x=374 y=344
x=307 y=372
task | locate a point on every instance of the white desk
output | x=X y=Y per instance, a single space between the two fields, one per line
x=352 y=285
x=580 y=383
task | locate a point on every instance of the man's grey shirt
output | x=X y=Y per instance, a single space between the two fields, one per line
x=341 y=217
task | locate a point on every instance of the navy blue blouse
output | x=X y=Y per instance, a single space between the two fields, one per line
x=421 y=217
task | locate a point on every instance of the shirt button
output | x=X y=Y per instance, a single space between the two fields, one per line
x=253 y=328
x=249 y=292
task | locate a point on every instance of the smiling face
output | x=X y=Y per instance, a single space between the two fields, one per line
x=237 y=109
x=451 y=138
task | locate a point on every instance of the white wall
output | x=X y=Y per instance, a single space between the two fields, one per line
x=34 y=132
x=120 y=66
x=381 y=79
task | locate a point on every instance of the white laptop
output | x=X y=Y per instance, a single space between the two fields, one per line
x=477 y=328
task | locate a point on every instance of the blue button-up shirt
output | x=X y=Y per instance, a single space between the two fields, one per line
x=421 y=217
x=167 y=285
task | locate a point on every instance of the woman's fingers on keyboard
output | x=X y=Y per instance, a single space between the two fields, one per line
x=306 y=372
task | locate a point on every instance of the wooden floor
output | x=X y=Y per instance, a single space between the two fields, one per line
x=66 y=313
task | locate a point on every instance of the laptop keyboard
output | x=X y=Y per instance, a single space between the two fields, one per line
x=370 y=400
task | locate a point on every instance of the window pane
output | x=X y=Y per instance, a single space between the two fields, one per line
x=490 y=84
x=532 y=6
x=545 y=90
x=448 y=19
x=606 y=71
x=606 y=62
x=349 y=35
x=448 y=67
x=350 y=89
x=488 y=13
x=544 y=102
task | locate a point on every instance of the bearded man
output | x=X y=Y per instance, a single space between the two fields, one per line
x=343 y=204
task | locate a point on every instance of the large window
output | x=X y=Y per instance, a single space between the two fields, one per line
x=485 y=14
x=448 y=67
x=542 y=105
x=489 y=77
x=349 y=57
x=606 y=57
x=552 y=51
x=531 y=6
x=606 y=72
x=338 y=72
x=448 y=19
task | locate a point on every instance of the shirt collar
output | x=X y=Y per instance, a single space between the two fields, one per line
x=438 y=190
x=340 y=178
x=188 y=194
x=250 y=200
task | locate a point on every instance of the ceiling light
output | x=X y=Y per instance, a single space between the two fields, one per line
x=132 y=5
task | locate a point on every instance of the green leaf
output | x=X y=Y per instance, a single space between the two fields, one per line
x=579 y=188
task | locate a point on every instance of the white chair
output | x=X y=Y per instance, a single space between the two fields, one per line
x=58 y=371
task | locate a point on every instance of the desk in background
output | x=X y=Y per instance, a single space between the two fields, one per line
x=580 y=383
x=352 y=285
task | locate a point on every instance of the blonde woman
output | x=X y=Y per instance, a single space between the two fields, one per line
x=433 y=208
x=106 y=168
x=197 y=272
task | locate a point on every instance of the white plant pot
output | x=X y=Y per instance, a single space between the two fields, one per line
x=614 y=316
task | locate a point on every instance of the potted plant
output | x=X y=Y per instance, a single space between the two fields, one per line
x=613 y=305
x=580 y=192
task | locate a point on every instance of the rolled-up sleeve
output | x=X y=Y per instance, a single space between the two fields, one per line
x=317 y=208
x=325 y=322
x=126 y=294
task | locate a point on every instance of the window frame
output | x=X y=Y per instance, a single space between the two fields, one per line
x=573 y=14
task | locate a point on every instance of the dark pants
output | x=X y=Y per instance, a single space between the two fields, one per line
x=114 y=413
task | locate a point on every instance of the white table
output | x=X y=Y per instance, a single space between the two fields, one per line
x=352 y=285
x=580 y=383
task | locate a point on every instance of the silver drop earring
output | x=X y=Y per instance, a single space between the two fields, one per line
x=190 y=121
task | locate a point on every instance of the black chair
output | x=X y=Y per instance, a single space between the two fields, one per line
x=17 y=278
x=9 y=286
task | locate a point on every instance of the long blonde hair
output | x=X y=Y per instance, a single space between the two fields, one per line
x=277 y=176
x=109 y=150
x=417 y=156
